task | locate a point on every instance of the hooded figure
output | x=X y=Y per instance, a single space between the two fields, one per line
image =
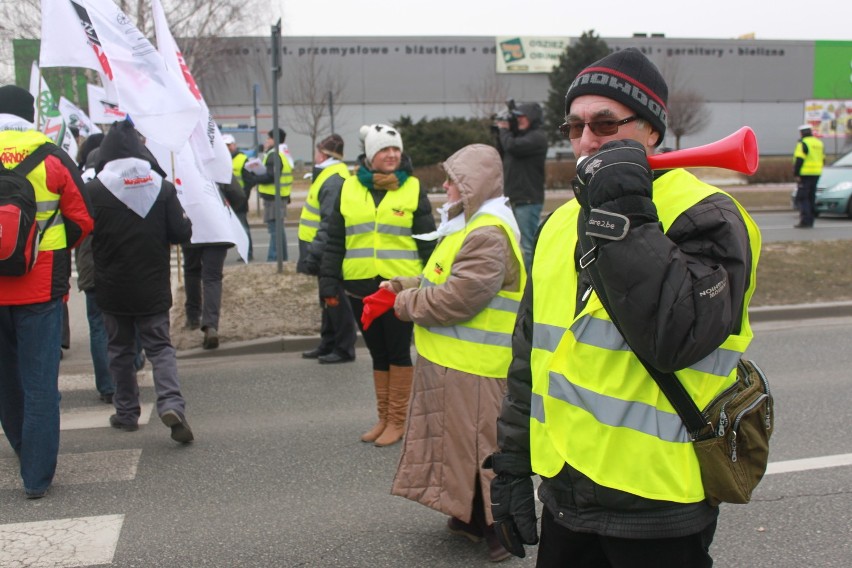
x=463 y=306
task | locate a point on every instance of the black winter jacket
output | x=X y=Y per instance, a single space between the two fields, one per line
x=656 y=277
x=523 y=155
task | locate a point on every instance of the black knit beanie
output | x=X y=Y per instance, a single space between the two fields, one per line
x=17 y=101
x=630 y=78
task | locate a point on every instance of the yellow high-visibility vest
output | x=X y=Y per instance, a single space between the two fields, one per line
x=594 y=405
x=481 y=345
x=286 y=177
x=14 y=147
x=310 y=218
x=378 y=239
x=813 y=159
x=238 y=160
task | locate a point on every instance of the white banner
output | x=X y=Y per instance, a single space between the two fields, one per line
x=102 y=108
x=76 y=118
x=211 y=153
x=158 y=103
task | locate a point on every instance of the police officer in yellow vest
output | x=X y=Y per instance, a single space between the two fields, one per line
x=677 y=260
x=266 y=188
x=238 y=165
x=369 y=241
x=463 y=306
x=337 y=330
x=808 y=160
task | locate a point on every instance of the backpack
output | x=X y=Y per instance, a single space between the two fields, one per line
x=19 y=232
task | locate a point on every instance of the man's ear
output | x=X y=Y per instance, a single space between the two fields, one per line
x=653 y=138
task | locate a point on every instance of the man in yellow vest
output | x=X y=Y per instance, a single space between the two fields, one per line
x=31 y=301
x=238 y=165
x=808 y=160
x=337 y=330
x=266 y=188
x=675 y=261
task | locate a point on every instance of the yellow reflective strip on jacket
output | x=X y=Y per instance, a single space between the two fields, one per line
x=813 y=159
x=286 y=177
x=310 y=218
x=481 y=345
x=594 y=405
x=378 y=239
x=15 y=146
x=238 y=161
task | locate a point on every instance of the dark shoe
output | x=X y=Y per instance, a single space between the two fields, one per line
x=313 y=353
x=139 y=361
x=180 y=429
x=35 y=494
x=801 y=226
x=107 y=398
x=496 y=552
x=333 y=358
x=127 y=427
x=192 y=324
x=211 y=338
x=467 y=530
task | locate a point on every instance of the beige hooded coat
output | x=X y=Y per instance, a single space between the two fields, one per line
x=451 y=426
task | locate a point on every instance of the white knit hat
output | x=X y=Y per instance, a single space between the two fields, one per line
x=376 y=137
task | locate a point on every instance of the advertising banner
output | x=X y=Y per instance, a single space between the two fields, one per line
x=529 y=54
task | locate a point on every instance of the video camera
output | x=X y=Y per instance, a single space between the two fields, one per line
x=510 y=115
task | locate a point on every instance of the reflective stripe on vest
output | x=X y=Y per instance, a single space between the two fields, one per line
x=378 y=239
x=594 y=405
x=238 y=161
x=481 y=345
x=309 y=221
x=286 y=177
x=813 y=160
x=15 y=146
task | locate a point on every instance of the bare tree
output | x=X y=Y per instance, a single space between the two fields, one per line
x=198 y=26
x=488 y=96
x=688 y=112
x=307 y=91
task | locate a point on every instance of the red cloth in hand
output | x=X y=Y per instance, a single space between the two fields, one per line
x=375 y=305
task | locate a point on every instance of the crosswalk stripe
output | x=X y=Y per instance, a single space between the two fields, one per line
x=61 y=543
x=77 y=419
x=78 y=469
x=86 y=381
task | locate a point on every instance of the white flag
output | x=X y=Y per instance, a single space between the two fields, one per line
x=76 y=118
x=211 y=153
x=213 y=221
x=158 y=103
x=103 y=109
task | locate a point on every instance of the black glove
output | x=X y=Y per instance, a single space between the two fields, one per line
x=614 y=188
x=328 y=286
x=513 y=509
x=307 y=266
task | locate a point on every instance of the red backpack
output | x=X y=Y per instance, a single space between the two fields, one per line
x=19 y=232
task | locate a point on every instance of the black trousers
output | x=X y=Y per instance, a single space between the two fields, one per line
x=806 y=199
x=388 y=338
x=561 y=547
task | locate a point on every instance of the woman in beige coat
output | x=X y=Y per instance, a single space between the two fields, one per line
x=463 y=307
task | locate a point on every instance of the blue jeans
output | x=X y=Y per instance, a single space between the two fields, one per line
x=528 y=216
x=29 y=387
x=272 y=255
x=98 y=345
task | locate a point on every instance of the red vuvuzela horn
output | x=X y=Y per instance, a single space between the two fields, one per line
x=737 y=152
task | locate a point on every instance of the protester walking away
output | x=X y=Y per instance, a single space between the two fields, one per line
x=337 y=328
x=808 y=160
x=463 y=306
x=265 y=183
x=137 y=218
x=523 y=145
x=238 y=165
x=657 y=265
x=43 y=214
x=203 y=267
x=370 y=240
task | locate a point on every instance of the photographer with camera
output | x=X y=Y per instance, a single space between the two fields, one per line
x=523 y=146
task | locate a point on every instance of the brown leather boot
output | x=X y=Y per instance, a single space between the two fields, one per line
x=380 y=381
x=400 y=392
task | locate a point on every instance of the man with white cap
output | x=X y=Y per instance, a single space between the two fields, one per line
x=238 y=165
x=808 y=159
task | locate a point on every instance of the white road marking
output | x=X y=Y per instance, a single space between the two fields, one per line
x=807 y=464
x=77 y=469
x=82 y=541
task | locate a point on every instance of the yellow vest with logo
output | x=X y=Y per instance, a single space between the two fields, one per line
x=238 y=160
x=481 y=345
x=813 y=160
x=378 y=239
x=594 y=405
x=15 y=146
x=309 y=221
x=286 y=177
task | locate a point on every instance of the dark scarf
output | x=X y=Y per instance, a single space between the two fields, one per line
x=386 y=182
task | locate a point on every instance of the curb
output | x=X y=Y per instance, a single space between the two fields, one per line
x=294 y=343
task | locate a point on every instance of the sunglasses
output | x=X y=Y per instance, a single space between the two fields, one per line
x=603 y=127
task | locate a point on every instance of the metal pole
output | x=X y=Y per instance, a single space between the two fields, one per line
x=276 y=74
x=254 y=92
x=331 y=110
